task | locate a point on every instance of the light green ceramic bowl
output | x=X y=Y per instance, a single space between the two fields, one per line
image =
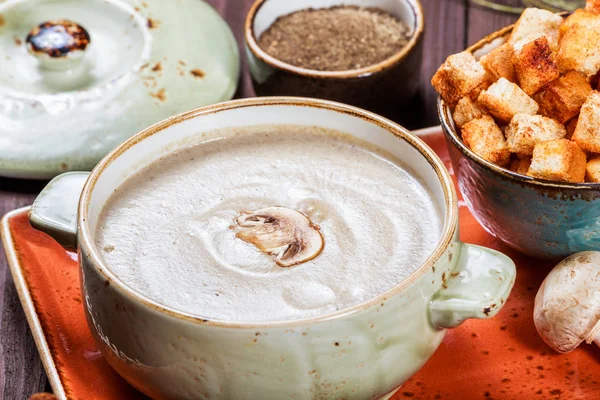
x=363 y=352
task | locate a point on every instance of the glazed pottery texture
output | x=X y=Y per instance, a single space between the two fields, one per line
x=537 y=217
x=382 y=87
x=365 y=351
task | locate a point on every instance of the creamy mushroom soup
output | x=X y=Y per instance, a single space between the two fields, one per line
x=269 y=223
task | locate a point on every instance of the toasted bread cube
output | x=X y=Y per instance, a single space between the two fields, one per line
x=592 y=6
x=474 y=94
x=564 y=97
x=504 y=99
x=587 y=131
x=534 y=66
x=570 y=127
x=579 y=50
x=485 y=138
x=592 y=170
x=558 y=160
x=499 y=63
x=534 y=23
x=520 y=165
x=465 y=111
x=525 y=131
x=458 y=76
x=579 y=17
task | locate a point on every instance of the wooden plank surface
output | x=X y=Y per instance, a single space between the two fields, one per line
x=481 y=21
x=21 y=372
x=449 y=26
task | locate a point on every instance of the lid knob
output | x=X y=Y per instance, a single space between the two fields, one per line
x=58 y=44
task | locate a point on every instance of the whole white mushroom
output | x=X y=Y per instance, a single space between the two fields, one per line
x=567 y=305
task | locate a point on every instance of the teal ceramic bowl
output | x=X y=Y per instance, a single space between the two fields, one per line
x=540 y=218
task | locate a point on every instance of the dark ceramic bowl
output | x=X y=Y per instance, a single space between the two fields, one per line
x=383 y=88
x=535 y=216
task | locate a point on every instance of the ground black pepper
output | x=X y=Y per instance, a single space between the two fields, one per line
x=335 y=39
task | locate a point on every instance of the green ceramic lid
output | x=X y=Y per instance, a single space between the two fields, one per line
x=78 y=77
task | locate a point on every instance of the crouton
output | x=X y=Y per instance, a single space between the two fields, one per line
x=498 y=63
x=485 y=138
x=474 y=95
x=459 y=75
x=570 y=127
x=465 y=111
x=534 y=23
x=558 y=160
x=587 y=131
x=504 y=99
x=592 y=6
x=525 y=130
x=520 y=165
x=564 y=97
x=579 y=17
x=579 y=50
x=592 y=170
x=534 y=66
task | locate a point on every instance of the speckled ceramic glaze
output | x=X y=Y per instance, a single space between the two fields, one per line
x=537 y=217
x=384 y=87
x=363 y=352
x=132 y=63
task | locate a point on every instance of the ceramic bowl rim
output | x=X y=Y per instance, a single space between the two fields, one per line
x=452 y=134
x=388 y=63
x=87 y=244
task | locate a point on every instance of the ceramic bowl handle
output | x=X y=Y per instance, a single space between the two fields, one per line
x=477 y=287
x=54 y=211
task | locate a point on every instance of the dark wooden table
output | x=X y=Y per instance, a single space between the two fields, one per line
x=450 y=25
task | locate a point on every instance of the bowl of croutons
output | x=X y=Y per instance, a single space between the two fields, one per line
x=521 y=113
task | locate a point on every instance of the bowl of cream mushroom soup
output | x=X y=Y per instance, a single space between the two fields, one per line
x=271 y=248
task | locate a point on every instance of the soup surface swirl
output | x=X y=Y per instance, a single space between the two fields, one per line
x=168 y=230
